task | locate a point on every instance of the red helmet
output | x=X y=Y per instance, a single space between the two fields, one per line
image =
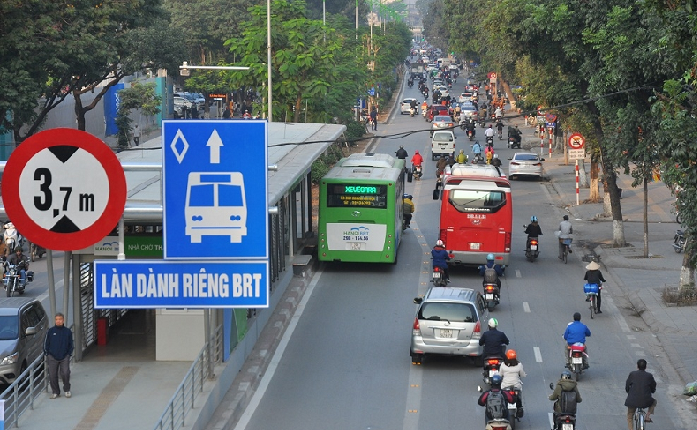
x=510 y=354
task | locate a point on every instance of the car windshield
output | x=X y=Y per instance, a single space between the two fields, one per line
x=526 y=157
x=453 y=312
x=9 y=327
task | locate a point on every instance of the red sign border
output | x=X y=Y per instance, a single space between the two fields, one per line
x=572 y=137
x=64 y=241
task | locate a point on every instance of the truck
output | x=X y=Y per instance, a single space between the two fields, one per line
x=416 y=70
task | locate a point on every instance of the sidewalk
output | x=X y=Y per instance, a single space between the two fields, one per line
x=634 y=279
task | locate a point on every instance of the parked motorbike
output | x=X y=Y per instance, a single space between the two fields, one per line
x=438 y=277
x=574 y=360
x=679 y=241
x=12 y=238
x=11 y=279
x=563 y=421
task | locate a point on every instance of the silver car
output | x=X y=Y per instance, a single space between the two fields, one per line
x=525 y=164
x=405 y=108
x=449 y=321
x=23 y=328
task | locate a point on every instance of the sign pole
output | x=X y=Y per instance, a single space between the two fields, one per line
x=542 y=139
x=550 y=130
x=577 y=198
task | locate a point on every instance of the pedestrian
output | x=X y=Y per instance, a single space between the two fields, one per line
x=374 y=118
x=226 y=113
x=136 y=135
x=58 y=348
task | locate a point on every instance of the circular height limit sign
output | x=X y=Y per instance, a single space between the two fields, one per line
x=64 y=189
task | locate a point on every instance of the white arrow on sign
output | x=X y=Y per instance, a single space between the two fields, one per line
x=215 y=142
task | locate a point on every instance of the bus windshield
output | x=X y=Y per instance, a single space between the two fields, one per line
x=481 y=201
x=356 y=195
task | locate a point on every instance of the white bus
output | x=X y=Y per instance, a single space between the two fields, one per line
x=215 y=206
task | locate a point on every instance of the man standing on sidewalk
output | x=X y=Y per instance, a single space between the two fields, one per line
x=58 y=349
x=374 y=118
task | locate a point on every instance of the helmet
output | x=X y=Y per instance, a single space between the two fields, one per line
x=416 y=152
x=533 y=218
x=493 y=322
x=510 y=354
x=496 y=379
x=565 y=374
x=440 y=243
x=490 y=257
x=407 y=196
x=401 y=146
x=496 y=155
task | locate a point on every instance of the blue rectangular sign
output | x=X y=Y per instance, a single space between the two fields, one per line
x=215 y=190
x=153 y=284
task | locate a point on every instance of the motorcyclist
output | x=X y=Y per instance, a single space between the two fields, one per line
x=461 y=157
x=407 y=209
x=594 y=276
x=440 y=259
x=499 y=128
x=576 y=333
x=485 y=396
x=410 y=82
x=511 y=371
x=401 y=153
x=424 y=107
x=489 y=153
x=491 y=264
x=416 y=161
x=489 y=132
x=496 y=162
x=493 y=340
x=17 y=259
x=532 y=230
x=477 y=151
x=498 y=113
x=514 y=132
x=451 y=160
x=413 y=104
x=564 y=384
x=470 y=127
x=440 y=165
x=565 y=232
x=246 y=115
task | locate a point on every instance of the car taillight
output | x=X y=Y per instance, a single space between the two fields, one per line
x=444 y=235
x=537 y=164
x=507 y=242
x=513 y=163
x=477 y=328
x=416 y=324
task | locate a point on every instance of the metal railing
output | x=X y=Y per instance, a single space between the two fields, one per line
x=21 y=394
x=184 y=399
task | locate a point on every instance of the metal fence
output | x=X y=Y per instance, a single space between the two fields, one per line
x=184 y=399
x=21 y=394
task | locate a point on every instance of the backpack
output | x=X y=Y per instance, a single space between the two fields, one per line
x=490 y=275
x=567 y=402
x=496 y=404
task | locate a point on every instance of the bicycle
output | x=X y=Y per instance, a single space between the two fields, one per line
x=593 y=304
x=639 y=419
x=565 y=243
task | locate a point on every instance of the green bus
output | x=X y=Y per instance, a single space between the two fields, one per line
x=360 y=209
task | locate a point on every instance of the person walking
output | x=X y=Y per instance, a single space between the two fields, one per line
x=58 y=348
x=374 y=118
x=136 y=135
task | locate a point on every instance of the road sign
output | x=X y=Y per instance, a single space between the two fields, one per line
x=64 y=189
x=576 y=141
x=550 y=124
x=215 y=189
x=152 y=284
x=576 y=154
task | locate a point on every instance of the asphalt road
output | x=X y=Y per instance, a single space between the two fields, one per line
x=346 y=364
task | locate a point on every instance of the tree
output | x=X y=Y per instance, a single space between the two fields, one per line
x=138 y=96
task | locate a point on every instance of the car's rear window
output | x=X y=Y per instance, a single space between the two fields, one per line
x=526 y=157
x=444 y=311
x=442 y=118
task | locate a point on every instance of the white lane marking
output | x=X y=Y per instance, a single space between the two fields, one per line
x=550 y=415
x=538 y=356
x=526 y=306
x=631 y=337
x=44 y=296
x=275 y=360
x=518 y=274
x=640 y=353
x=635 y=345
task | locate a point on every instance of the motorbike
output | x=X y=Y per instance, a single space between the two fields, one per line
x=679 y=241
x=574 y=360
x=491 y=367
x=491 y=295
x=12 y=238
x=412 y=112
x=513 y=142
x=477 y=158
x=36 y=251
x=416 y=172
x=514 y=414
x=499 y=423
x=490 y=141
x=470 y=133
x=563 y=421
x=531 y=247
x=438 y=277
x=423 y=112
x=11 y=279
x=410 y=83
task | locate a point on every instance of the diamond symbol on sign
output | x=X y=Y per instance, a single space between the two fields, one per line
x=175 y=147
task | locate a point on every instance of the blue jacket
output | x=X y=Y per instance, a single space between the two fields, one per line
x=59 y=342
x=440 y=257
x=576 y=332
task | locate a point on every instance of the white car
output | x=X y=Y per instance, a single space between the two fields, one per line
x=443 y=91
x=442 y=143
x=406 y=105
x=525 y=164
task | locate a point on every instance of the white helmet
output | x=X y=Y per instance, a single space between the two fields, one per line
x=440 y=243
x=496 y=155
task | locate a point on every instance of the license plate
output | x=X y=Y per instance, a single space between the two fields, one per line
x=355 y=246
x=488 y=297
x=512 y=406
x=533 y=247
x=436 y=275
x=567 y=426
x=577 y=360
x=474 y=246
x=493 y=372
x=446 y=333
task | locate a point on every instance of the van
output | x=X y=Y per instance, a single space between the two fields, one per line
x=442 y=143
x=448 y=321
x=23 y=328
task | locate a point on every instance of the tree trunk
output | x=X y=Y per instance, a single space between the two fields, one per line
x=613 y=190
x=687 y=272
x=79 y=112
x=646 y=217
x=298 y=106
x=582 y=176
x=594 y=198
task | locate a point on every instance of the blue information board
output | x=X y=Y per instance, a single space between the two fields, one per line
x=215 y=189
x=152 y=284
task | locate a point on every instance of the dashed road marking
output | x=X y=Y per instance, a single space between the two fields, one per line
x=526 y=306
x=635 y=345
x=518 y=274
x=538 y=356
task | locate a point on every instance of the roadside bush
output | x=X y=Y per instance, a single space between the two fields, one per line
x=321 y=166
x=354 y=131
